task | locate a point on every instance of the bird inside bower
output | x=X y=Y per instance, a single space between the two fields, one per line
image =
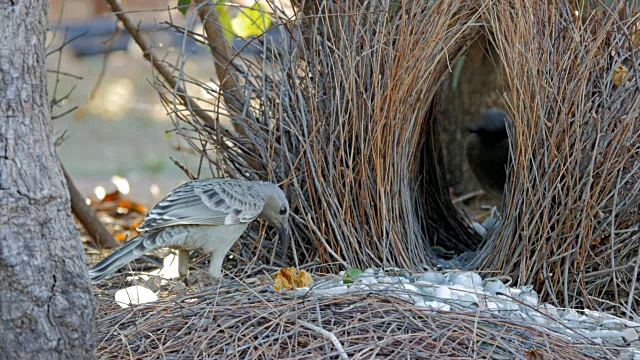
x=487 y=152
x=207 y=215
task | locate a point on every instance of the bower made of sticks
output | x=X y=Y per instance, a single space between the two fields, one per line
x=344 y=112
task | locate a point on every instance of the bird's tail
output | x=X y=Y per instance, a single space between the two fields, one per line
x=130 y=251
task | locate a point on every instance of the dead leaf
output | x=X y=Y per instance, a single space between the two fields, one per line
x=619 y=74
x=534 y=354
x=130 y=205
x=112 y=196
x=288 y=278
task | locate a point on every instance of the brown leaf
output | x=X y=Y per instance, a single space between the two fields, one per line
x=288 y=278
x=120 y=236
x=112 y=196
x=131 y=205
x=619 y=74
x=534 y=354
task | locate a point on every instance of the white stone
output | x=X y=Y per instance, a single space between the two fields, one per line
x=465 y=278
x=549 y=310
x=537 y=317
x=438 y=305
x=443 y=292
x=460 y=290
x=431 y=277
x=392 y=280
x=468 y=300
x=529 y=298
x=169 y=268
x=371 y=271
x=494 y=287
x=479 y=228
x=411 y=292
x=630 y=335
x=368 y=279
x=508 y=307
x=134 y=295
x=570 y=315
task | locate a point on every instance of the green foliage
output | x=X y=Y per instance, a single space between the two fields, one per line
x=248 y=21
x=225 y=21
x=350 y=274
x=183 y=6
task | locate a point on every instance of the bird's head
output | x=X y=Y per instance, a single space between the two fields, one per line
x=492 y=125
x=276 y=209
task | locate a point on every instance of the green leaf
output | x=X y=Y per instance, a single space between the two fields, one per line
x=225 y=21
x=353 y=272
x=350 y=274
x=250 y=21
x=183 y=6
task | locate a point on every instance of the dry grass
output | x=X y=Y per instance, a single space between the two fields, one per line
x=572 y=213
x=342 y=112
x=242 y=321
x=345 y=118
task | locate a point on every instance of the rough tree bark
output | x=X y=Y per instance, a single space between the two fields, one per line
x=46 y=303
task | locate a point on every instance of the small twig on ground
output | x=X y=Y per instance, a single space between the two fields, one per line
x=326 y=334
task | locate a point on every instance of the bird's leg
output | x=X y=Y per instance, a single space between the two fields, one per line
x=183 y=263
x=215 y=264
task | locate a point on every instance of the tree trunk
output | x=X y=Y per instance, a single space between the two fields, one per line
x=46 y=303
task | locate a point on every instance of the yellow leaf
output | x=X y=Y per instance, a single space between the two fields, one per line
x=619 y=74
x=250 y=21
x=277 y=285
x=304 y=280
x=225 y=21
x=288 y=278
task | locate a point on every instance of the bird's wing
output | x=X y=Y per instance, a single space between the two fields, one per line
x=206 y=202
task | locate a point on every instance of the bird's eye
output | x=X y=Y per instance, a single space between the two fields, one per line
x=283 y=211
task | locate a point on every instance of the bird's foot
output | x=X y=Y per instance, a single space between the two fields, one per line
x=200 y=279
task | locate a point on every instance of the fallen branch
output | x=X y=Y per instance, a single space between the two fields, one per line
x=88 y=218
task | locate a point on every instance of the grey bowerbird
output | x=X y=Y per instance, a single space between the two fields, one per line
x=208 y=215
x=487 y=152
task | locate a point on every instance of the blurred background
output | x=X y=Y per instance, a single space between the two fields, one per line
x=119 y=125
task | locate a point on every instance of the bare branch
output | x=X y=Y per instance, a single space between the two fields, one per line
x=88 y=218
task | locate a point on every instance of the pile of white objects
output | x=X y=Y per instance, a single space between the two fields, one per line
x=466 y=291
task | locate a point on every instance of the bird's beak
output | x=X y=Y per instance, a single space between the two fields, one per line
x=283 y=232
